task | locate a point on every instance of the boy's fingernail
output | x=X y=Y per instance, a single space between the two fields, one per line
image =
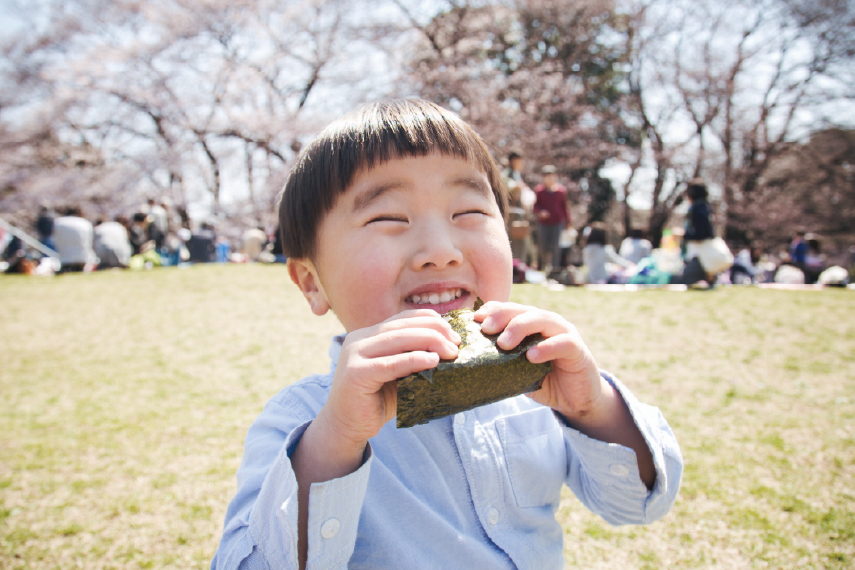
x=455 y=337
x=533 y=352
x=503 y=337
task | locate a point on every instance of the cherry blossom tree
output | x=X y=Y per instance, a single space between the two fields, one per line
x=197 y=101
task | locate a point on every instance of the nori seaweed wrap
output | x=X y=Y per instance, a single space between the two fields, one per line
x=481 y=374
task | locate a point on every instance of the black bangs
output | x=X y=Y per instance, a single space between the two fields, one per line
x=361 y=140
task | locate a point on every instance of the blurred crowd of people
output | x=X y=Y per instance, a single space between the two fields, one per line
x=156 y=235
x=546 y=246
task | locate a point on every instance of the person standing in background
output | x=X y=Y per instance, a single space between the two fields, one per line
x=521 y=198
x=553 y=216
x=698 y=229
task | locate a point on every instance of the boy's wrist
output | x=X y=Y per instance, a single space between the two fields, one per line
x=601 y=411
x=335 y=440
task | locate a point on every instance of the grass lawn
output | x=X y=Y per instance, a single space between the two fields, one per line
x=127 y=397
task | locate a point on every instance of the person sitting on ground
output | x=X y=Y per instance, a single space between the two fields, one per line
x=138 y=232
x=798 y=250
x=276 y=246
x=635 y=247
x=393 y=215
x=44 y=225
x=252 y=243
x=112 y=245
x=202 y=245
x=15 y=259
x=744 y=269
x=814 y=261
x=598 y=253
x=73 y=236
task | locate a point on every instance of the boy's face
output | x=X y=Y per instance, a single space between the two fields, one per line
x=411 y=233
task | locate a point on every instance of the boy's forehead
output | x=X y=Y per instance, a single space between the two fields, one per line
x=370 y=182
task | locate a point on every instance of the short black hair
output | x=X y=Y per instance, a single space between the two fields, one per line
x=598 y=234
x=362 y=139
x=697 y=190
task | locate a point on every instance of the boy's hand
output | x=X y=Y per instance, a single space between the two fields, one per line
x=575 y=389
x=363 y=396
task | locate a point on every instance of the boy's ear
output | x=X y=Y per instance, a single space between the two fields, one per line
x=305 y=276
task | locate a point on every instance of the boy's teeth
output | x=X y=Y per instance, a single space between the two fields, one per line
x=436 y=298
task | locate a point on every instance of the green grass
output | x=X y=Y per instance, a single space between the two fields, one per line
x=128 y=395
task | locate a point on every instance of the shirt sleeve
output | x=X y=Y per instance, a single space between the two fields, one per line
x=615 y=258
x=604 y=476
x=261 y=521
x=538 y=200
x=625 y=248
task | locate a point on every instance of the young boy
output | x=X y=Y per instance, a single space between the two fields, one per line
x=391 y=217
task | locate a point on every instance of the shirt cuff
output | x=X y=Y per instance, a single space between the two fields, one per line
x=334 y=509
x=616 y=466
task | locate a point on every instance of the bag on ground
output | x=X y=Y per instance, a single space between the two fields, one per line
x=714 y=255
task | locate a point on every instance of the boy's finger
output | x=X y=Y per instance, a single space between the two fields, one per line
x=532 y=322
x=495 y=316
x=569 y=348
x=388 y=368
x=397 y=341
x=419 y=318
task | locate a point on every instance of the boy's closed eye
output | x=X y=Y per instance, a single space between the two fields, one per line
x=388 y=218
x=473 y=211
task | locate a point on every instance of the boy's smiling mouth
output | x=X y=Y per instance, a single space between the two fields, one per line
x=438 y=297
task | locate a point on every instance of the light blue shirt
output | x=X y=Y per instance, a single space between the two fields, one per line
x=475 y=490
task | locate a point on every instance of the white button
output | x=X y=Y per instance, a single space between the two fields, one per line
x=330 y=528
x=493 y=516
x=619 y=470
x=460 y=419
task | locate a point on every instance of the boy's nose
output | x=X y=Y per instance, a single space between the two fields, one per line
x=436 y=249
